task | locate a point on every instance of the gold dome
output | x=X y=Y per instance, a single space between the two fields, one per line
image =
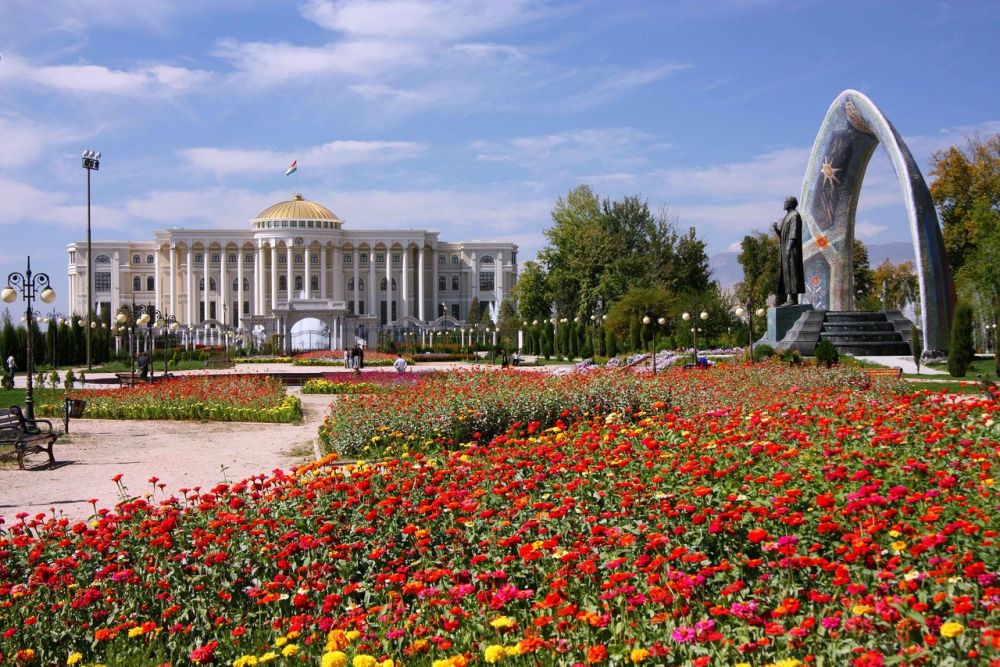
x=298 y=208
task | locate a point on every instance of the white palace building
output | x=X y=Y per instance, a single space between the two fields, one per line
x=296 y=262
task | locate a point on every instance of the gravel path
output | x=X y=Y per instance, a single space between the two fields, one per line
x=180 y=454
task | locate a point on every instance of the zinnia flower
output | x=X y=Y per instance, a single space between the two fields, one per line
x=494 y=653
x=363 y=660
x=952 y=629
x=333 y=659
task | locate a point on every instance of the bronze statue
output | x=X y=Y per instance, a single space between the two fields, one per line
x=791 y=281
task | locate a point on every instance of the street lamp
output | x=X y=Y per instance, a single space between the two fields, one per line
x=694 y=333
x=27 y=284
x=91 y=162
x=740 y=312
x=54 y=319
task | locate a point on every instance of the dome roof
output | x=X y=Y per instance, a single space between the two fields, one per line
x=298 y=208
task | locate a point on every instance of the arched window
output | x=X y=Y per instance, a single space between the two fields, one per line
x=442 y=283
x=282 y=283
x=350 y=284
x=211 y=284
x=149 y=259
x=486 y=260
x=361 y=286
x=150 y=283
x=393 y=284
x=298 y=283
x=103 y=259
x=314 y=283
x=454 y=283
x=236 y=284
x=136 y=283
x=381 y=285
x=246 y=284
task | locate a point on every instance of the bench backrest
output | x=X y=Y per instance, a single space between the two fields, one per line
x=11 y=418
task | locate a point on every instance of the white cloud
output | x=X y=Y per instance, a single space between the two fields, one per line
x=224 y=161
x=418 y=19
x=609 y=147
x=153 y=79
x=78 y=16
x=25 y=141
x=25 y=203
x=601 y=86
x=866 y=229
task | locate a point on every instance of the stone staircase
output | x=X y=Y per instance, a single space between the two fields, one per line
x=867 y=334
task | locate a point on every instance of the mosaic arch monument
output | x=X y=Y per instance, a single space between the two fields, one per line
x=851 y=131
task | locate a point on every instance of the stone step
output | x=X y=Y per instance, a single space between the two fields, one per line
x=875 y=348
x=841 y=317
x=859 y=336
x=858 y=326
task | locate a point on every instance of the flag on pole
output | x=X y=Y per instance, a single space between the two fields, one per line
x=292 y=168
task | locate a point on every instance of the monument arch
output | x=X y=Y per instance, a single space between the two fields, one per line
x=851 y=131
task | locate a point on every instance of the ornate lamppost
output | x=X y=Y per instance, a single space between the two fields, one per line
x=149 y=316
x=91 y=162
x=54 y=319
x=694 y=333
x=745 y=310
x=27 y=284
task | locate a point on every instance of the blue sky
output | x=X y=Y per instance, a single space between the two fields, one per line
x=466 y=117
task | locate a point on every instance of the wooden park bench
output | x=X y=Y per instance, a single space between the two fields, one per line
x=26 y=437
x=218 y=360
x=895 y=373
x=129 y=379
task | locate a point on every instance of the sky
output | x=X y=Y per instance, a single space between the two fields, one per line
x=469 y=118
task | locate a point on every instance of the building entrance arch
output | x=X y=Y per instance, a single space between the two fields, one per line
x=852 y=129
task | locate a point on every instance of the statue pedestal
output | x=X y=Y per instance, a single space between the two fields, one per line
x=781 y=319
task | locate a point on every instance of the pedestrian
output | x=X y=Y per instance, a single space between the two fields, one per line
x=515 y=359
x=400 y=363
x=355 y=356
x=143 y=366
x=504 y=359
x=347 y=359
x=361 y=357
x=11 y=366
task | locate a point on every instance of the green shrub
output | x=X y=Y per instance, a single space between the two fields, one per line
x=70 y=379
x=762 y=352
x=960 y=350
x=826 y=353
x=916 y=345
x=790 y=356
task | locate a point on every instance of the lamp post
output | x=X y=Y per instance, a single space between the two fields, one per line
x=694 y=333
x=91 y=162
x=54 y=319
x=27 y=284
x=745 y=310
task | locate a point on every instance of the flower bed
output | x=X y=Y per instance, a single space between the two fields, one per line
x=807 y=523
x=368 y=383
x=249 y=398
x=336 y=358
x=441 y=410
x=261 y=360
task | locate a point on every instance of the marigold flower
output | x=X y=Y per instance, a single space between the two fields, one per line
x=74 y=658
x=363 y=660
x=638 y=655
x=952 y=629
x=269 y=656
x=494 y=653
x=134 y=632
x=333 y=659
x=502 y=622
x=245 y=661
x=290 y=650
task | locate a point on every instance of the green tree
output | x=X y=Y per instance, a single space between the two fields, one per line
x=475 y=312
x=760 y=258
x=980 y=276
x=864 y=279
x=532 y=293
x=960 y=348
x=573 y=257
x=964 y=181
x=509 y=324
x=894 y=285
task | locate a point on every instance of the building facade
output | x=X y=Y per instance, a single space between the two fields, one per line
x=295 y=262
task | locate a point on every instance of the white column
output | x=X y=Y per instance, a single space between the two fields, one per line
x=474 y=287
x=388 y=283
x=308 y=276
x=289 y=283
x=498 y=277
x=191 y=292
x=222 y=310
x=322 y=271
x=434 y=284
x=372 y=291
x=204 y=265
x=258 y=280
x=157 y=289
x=338 y=275
x=172 y=306
x=405 y=281
x=239 y=286
x=420 y=284
x=357 y=290
x=274 y=274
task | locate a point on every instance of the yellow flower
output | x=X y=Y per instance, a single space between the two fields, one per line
x=363 y=660
x=280 y=641
x=269 y=656
x=387 y=663
x=290 y=650
x=787 y=662
x=352 y=635
x=858 y=610
x=441 y=663
x=74 y=658
x=294 y=634
x=502 y=622
x=245 y=661
x=742 y=664
x=134 y=632
x=897 y=546
x=494 y=653
x=334 y=659
x=638 y=655
x=952 y=629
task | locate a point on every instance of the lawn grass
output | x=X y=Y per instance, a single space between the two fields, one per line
x=983 y=365
x=9 y=397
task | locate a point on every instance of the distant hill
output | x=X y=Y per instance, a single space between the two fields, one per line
x=727 y=270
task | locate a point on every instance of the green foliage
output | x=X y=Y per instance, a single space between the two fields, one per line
x=760 y=258
x=70 y=379
x=894 y=284
x=966 y=186
x=826 y=353
x=475 y=312
x=864 y=280
x=610 y=343
x=762 y=352
x=790 y=356
x=960 y=347
x=634 y=334
x=916 y=345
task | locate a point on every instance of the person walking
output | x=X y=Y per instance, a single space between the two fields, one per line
x=400 y=363
x=504 y=359
x=144 y=366
x=11 y=367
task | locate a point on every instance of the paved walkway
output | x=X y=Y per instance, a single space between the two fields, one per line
x=906 y=363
